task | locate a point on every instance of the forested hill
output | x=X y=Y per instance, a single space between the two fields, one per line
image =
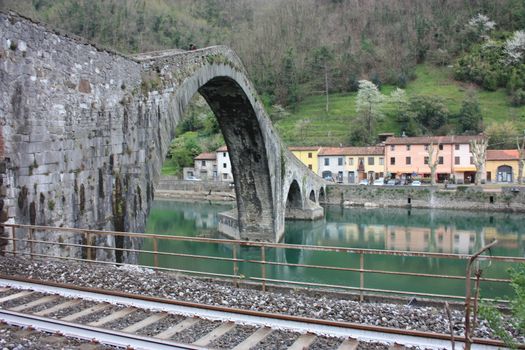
x=287 y=45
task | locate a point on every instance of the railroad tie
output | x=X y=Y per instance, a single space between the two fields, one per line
x=85 y=312
x=396 y=346
x=303 y=342
x=216 y=333
x=254 y=339
x=348 y=344
x=37 y=302
x=145 y=322
x=58 y=307
x=15 y=296
x=112 y=317
x=179 y=327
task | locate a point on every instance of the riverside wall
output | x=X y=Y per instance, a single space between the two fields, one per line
x=462 y=197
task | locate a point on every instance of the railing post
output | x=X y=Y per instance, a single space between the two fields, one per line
x=235 y=266
x=361 y=276
x=263 y=268
x=88 y=246
x=13 y=235
x=31 y=234
x=155 y=251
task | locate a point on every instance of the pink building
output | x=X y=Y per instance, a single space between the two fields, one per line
x=406 y=157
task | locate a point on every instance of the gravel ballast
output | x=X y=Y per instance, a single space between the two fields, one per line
x=142 y=281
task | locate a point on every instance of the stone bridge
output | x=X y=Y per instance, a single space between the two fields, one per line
x=85 y=131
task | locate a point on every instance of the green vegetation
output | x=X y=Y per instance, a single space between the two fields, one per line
x=495 y=319
x=310 y=124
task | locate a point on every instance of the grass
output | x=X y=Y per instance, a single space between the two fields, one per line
x=333 y=128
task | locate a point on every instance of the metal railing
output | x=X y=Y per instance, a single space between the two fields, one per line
x=24 y=241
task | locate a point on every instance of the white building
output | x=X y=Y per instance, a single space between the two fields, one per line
x=224 y=167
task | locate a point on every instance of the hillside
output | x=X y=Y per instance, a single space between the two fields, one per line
x=310 y=125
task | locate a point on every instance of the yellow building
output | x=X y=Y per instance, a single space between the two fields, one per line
x=502 y=165
x=307 y=155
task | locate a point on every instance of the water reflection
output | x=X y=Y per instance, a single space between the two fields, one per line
x=392 y=229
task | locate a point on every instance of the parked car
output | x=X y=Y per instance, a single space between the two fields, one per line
x=192 y=178
x=393 y=182
x=416 y=183
x=364 y=182
x=328 y=178
x=379 y=182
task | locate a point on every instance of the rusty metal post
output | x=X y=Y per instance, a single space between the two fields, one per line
x=361 y=276
x=155 y=251
x=468 y=294
x=13 y=234
x=31 y=233
x=263 y=268
x=235 y=266
x=88 y=241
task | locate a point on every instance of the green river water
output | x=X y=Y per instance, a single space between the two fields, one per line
x=421 y=230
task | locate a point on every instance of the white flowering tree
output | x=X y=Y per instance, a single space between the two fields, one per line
x=515 y=48
x=480 y=26
x=478 y=148
x=368 y=106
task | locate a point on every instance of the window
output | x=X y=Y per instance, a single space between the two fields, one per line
x=310 y=166
x=408 y=147
x=456 y=147
x=440 y=147
x=224 y=165
x=350 y=161
x=370 y=160
x=327 y=161
x=456 y=160
x=408 y=160
x=203 y=163
x=426 y=147
x=381 y=161
x=471 y=160
x=309 y=154
x=392 y=160
x=392 y=147
x=441 y=160
x=224 y=154
x=225 y=176
x=340 y=161
x=426 y=160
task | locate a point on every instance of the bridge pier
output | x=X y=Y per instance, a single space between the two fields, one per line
x=311 y=211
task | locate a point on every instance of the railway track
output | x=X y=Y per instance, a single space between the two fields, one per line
x=140 y=322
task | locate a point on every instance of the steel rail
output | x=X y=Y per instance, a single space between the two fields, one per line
x=75 y=330
x=318 y=326
x=267 y=244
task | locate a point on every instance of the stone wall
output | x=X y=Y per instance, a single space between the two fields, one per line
x=464 y=197
x=77 y=129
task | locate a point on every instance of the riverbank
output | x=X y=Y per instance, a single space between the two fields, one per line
x=132 y=279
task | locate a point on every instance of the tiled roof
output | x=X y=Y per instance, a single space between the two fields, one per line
x=222 y=149
x=351 y=151
x=303 y=148
x=502 y=154
x=206 y=156
x=425 y=140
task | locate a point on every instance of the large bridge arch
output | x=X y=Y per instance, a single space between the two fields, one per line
x=86 y=132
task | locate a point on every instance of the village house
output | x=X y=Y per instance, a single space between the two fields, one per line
x=307 y=155
x=502 y=165
x=205 y=166
x=223 y=164
x=351 y=164
x=408 y=157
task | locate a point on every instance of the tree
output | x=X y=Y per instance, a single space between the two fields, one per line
x=433 y=161
x=502 y=135
x=515 y=48
x=321 y=63
x=368 y=107
x=470 y=120
x=430 y=112
x=478 y=148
